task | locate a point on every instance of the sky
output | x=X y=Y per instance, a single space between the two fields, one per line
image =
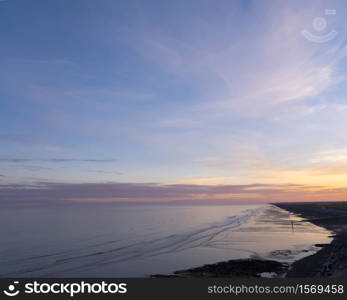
x=172 y=101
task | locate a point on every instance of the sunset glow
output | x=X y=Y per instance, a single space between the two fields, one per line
x=172 y=102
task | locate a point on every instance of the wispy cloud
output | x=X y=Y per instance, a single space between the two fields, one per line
x=34 y=168
x=100 y=95
x=105 y=160
x=54 y=160
x=276 y=65
x=334 y=155
x=216 y=94
x=105 y=172
x=45 y=193
x=21 y=138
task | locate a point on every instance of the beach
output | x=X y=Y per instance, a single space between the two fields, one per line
x=331 y=260
x=280 y=238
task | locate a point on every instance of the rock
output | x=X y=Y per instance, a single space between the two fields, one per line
x=233 y=268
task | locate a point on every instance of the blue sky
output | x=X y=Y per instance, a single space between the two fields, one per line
x=172 y=92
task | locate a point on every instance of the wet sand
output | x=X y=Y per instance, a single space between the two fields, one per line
x=331 y=260
x=269 y=230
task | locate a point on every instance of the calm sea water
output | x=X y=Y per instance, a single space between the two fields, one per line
x=135 y=241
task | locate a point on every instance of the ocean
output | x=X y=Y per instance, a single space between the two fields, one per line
x=140 y=240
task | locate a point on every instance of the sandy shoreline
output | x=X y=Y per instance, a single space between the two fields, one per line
x=331 y=260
